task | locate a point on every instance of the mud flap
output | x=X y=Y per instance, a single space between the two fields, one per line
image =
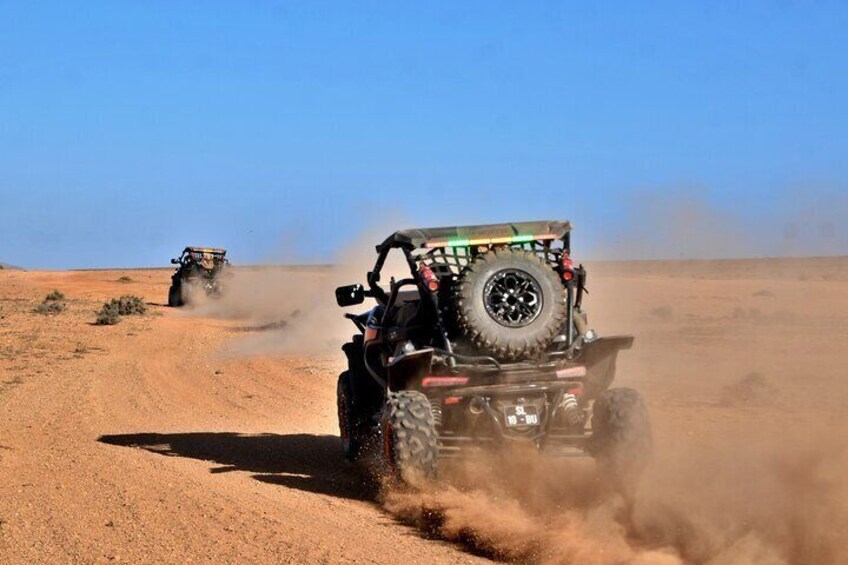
x=599 y=358
x=409 y=366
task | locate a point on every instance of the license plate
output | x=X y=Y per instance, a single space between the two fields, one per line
x=521 y=415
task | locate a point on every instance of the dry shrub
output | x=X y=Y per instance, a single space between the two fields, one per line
x=112 y=310
x=108 y=314
x=130 y=305
x=749 y=314
x=56 y=295
x=663 y=313
x=54 y=303
x=50 y=307
x=752 y=389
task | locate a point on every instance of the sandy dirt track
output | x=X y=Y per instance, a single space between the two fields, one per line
x=146 y=442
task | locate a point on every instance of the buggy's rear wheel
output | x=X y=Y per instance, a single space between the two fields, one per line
x=351 y=427
x=621 y=440
x=410 y=441
x=175 y=298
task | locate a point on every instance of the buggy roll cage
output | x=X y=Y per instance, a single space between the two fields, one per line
x=445 y=251
x=218 y=254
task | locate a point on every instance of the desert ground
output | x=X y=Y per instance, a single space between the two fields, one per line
x=208 y=434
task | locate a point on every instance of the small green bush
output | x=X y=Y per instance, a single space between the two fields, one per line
x=663 y=313
x=108 y=315
x=53 y=303
x=55 y=296
x=126 y=305
x=50 y=307
x=754 y=389
x=129 y=305
x=125 y=279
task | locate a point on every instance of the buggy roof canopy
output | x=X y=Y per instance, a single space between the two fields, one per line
x=463 y=236
x=213 y=250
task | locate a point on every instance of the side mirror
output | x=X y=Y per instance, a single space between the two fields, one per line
x=350 y=295
x=175 y=261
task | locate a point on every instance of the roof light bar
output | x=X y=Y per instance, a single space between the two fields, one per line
x=465 y=242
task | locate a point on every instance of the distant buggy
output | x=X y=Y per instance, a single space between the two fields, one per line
x=199 y=269
x=483 y=345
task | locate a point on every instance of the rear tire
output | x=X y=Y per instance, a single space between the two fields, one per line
x=351 y=428
x=510 y=304
x=410 y=441
x=621 y=440
x=175 y=298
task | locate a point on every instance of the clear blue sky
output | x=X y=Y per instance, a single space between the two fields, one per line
x=282 y=130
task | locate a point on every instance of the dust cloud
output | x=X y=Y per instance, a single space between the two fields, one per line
x=292 y=309
x=730 y=503
x=282 y=310
x=802 y=220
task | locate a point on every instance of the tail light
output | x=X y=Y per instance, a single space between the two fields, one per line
x=431 y=281
x=567 y=267
x=443 y=381
x=576 y=389
x=576 y=372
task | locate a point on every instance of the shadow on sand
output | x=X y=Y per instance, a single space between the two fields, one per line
x=306 y=462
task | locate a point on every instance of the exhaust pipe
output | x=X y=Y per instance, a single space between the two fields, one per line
x=477 y=406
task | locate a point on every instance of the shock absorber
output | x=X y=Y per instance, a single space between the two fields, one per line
x=436 y=410
x=570 y=409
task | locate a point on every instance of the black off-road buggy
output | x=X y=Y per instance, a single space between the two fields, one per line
x=199 y=269
x=485 y=344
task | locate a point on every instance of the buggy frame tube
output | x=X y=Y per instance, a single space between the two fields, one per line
x=371 y=371
x=574 y=299
x=569 y=318
x=434 y=302
x=374 y=276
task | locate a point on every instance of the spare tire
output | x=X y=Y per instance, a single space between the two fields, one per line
x=510 y=304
